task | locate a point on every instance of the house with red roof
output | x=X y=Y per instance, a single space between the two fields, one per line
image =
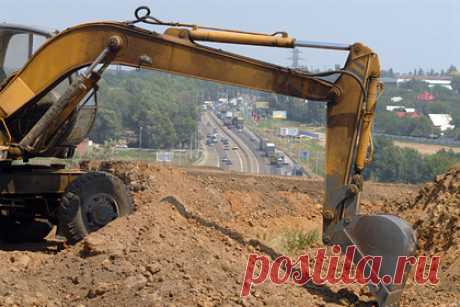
x=426 y=96
x=413 y=115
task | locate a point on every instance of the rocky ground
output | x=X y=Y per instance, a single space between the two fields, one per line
x=190 y=236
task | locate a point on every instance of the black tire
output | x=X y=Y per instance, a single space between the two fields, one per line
x=90 y=202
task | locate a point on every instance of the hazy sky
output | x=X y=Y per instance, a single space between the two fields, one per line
x=406 y=34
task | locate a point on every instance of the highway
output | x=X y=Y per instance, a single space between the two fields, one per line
x=246 y=158
x=242 y=159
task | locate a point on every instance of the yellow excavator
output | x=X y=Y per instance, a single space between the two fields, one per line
x=47 y=92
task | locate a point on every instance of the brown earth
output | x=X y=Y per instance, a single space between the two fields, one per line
x=426 y=149
x=435 y=214
x=189 y=238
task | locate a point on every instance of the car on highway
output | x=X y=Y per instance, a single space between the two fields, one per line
x=298 y=170
x=235 y=148
x=226 y=161
x=226 y=147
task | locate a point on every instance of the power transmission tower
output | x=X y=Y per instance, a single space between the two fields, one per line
x=296 y=58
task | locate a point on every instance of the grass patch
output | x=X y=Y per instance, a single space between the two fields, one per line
x=299 y=240
x=276 y=123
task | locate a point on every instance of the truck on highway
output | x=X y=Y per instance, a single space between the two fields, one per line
x=270 y=149
x=237 y=122
x=228 y=117
x=262 y=144
x=277 y=159
x=267 y=148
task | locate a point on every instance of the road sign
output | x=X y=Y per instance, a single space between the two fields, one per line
x=279 y=114
x=304 y=155
x=164 y=156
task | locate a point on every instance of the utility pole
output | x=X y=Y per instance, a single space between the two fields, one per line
x=140 y=136
x=190 y=146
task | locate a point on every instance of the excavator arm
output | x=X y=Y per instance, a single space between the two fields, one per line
x=350 y=102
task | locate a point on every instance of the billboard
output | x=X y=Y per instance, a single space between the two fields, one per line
x=165 y=156
x=289 y=131
x=262 y=105
x=279 y=115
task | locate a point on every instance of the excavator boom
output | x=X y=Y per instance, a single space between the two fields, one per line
x=351 y=101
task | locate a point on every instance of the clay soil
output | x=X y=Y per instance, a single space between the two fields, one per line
x=192 y=231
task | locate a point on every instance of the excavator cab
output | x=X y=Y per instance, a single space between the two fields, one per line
x=17 y=46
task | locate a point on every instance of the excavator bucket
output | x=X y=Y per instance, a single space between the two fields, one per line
x=385 y=236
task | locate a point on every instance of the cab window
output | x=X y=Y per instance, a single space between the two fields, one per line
x=17 y=53
x=20 y=48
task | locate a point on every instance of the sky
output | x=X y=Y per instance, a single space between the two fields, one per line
x=406 y=34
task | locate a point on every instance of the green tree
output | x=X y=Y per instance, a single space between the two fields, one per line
x=452 y=70
x=163 y=106
x=456 y=83
x=422 y=127
x=394 y=164
x=107 y=126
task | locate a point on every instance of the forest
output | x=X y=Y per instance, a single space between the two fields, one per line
x=155 y=109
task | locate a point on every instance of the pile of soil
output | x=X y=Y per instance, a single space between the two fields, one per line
x=187 y=244
x=435 y=215
x=434 y=212
x=438 y=225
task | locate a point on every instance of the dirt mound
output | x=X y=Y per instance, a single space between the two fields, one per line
x=435 y=213
x=187 y=244
x=439 y=227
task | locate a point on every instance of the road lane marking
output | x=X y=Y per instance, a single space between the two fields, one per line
x=238 y=141
x=241 y=160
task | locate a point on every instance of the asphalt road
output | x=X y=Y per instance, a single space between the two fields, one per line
x=242 y=160
x=247 y=158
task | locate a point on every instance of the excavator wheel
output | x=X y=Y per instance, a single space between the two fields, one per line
x=90 y=202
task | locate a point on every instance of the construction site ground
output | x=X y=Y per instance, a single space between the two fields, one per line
x=188 y=241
